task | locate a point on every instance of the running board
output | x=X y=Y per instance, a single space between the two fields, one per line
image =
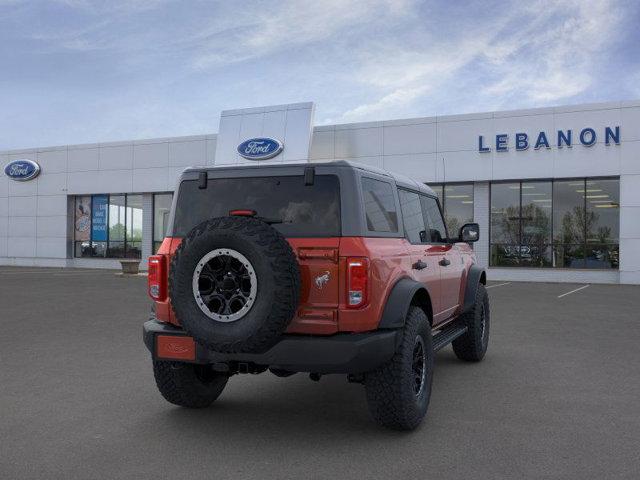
x=447 y=335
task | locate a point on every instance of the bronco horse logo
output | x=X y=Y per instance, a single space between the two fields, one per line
x=321 y=280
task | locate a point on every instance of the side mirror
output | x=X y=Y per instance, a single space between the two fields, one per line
x=470 y=232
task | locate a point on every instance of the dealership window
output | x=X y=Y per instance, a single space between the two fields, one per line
x=161 y=210
x=563 y=224
x=457 y=204
x=108 y=226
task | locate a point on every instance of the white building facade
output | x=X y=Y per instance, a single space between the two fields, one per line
x=556 y=191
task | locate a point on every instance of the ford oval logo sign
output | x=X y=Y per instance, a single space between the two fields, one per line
x=260 y=148
x=22 y=170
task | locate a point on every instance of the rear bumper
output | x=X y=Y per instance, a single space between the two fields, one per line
x=340 y=353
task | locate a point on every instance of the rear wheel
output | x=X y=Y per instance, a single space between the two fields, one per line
x=398 y=392
x=188 y=385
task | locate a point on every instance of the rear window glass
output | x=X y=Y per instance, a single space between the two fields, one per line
x=379 y=206
x=304 y=210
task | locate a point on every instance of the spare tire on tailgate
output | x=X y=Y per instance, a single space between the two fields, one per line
x=234 y=284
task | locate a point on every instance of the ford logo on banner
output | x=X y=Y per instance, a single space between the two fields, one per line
x=22 y=170
x=260 y=148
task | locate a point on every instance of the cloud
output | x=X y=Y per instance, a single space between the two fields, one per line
x=554 y=63
x=541 y=53
x=261 y=32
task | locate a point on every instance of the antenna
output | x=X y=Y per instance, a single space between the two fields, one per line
x=444 y=171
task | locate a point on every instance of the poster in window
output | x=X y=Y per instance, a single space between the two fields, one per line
x=83 y=218
x=99 y=214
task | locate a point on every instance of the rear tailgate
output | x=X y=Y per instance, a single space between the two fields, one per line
x=320 y=290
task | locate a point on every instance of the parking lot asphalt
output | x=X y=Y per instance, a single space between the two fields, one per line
x=558 y=396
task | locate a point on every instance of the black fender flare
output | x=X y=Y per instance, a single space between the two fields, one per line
x=399 y=300
x=475 y=277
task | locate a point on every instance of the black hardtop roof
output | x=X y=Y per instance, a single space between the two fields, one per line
x=400 y=180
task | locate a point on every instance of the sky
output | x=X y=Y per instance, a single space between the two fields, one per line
x=80 y=71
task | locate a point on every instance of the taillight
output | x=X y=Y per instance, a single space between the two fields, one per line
x=357 y=281
x=156 y=280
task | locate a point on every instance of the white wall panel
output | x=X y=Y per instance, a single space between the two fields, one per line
x=630 y=222
x=52 y=161
x=83 y=159
x=463 y=135
x=211 y=150
x=118 y=157
x=359 y=142
x=481 y=215
x=52 y=226
x=420 y=166
x=52 y=183
x=4 y=184
x=630 y=157
x=596 y=119
x=630 y=124
x=528 y=163
x=84 y=182
x=151 y=155
x=51 y=205
x=297 y=135
x=173 y=174
x=420 y=138
x=52 y=247
x=630 y=248
x=105 y=181
x=188 y=154
x=4 y=206
x=22 y=189
x=630 y=191
x=149 y=180
x=462 y=166
x=322 y=145
x=115 y=181
x=22 y=227
x=22 y=206
x=21 y=246
x=228 y=140
x=4 y=226
x=581 y=161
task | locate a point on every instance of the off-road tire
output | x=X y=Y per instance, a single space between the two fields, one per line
x=472 y=346
x=391 y=397
x=188 y=385
x=278 y=283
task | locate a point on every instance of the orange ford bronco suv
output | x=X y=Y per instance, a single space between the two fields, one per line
x=319 y=268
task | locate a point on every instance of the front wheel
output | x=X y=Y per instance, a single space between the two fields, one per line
x=398 y=392
x=188 y=385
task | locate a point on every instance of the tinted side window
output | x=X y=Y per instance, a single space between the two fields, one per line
x=412 y=217
x=433 y=218
x=379 y=206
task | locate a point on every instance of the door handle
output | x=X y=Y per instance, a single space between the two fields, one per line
x=419 y=265
x=445 y=262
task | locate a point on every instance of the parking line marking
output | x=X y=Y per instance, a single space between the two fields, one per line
x=573 y=291
x=498 y=285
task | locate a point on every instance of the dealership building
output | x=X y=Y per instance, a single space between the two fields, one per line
x=556 y=190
